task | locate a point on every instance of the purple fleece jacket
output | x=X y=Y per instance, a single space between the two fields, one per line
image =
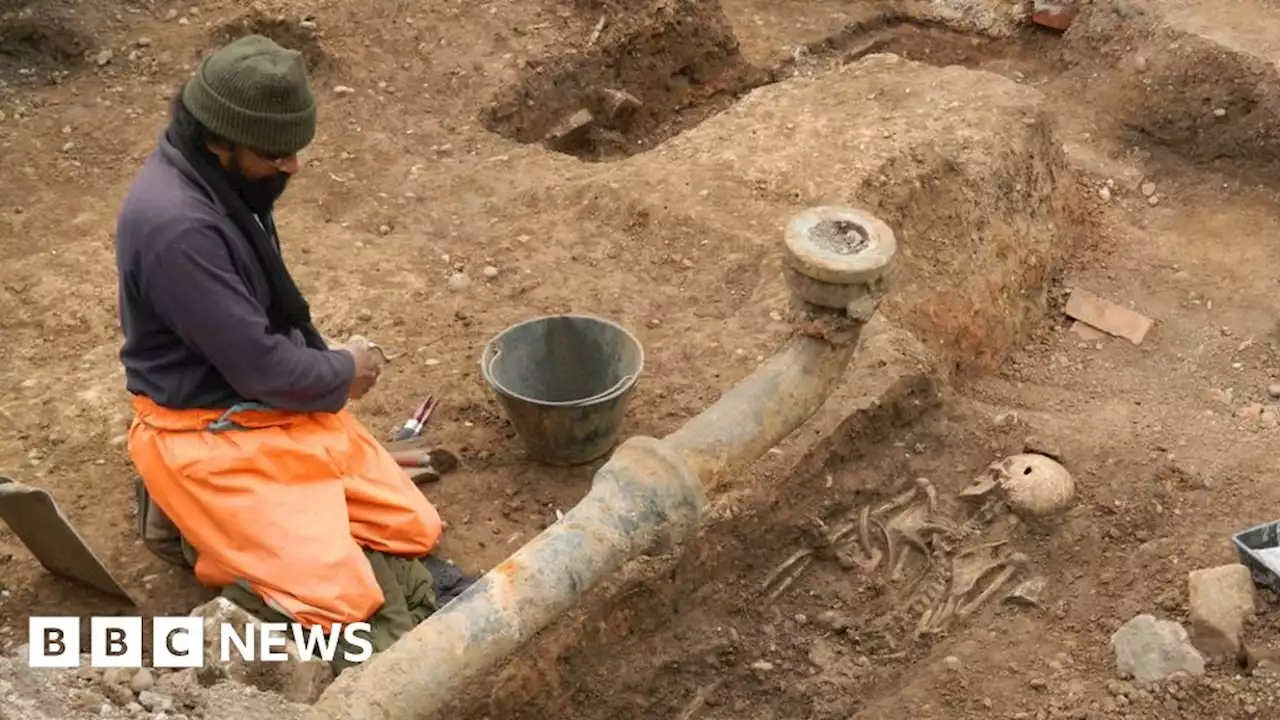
x=193 y=302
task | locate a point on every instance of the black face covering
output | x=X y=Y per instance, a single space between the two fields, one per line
x=288 y=309
x=260 y=195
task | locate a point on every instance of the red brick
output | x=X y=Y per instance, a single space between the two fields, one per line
x=1108 y=317
x=1058 y=18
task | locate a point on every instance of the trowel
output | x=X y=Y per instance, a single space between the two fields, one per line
x=36 y=519
x=426 y=466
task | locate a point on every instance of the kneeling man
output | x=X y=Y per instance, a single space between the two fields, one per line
x=241 y=433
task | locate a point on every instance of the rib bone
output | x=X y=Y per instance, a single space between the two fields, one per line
x=1015 y=562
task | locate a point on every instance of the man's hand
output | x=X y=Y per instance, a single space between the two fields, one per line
x=369 y=364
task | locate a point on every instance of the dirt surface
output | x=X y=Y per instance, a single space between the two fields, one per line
x=50 y=694
x=433 y=166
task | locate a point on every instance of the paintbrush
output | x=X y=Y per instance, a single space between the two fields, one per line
x=413 y=427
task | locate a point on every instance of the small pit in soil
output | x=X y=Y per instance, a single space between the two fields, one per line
x=842 y=237
x=654 y=73
x=299 y=34
x=35 y=43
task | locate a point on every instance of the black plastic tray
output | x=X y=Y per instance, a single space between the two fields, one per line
x=1261 y=537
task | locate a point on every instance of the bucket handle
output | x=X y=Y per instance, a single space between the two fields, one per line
x=497 y=353
x=599 y=396
x=622 y=381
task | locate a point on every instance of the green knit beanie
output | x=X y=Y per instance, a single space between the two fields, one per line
x=255 y=94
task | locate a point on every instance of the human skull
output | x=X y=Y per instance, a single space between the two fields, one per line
x=1030 y=485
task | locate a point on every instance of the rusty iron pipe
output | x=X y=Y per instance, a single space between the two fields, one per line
x=764 y=408
x=649 y=497
x=642 y=499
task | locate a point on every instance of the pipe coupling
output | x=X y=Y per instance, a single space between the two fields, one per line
x=659 y=494
x=837 y=257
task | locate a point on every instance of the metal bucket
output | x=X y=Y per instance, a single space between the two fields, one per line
x=564 y=382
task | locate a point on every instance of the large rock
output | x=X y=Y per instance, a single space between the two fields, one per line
x=1222 y=601
x=1198 y=75
x=1000 y=18
x=297 y=680
x=1150 y=650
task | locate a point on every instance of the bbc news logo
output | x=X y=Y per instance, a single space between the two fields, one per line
x=179 y=642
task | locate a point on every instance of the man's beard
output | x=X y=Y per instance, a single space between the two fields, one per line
x=260 y=195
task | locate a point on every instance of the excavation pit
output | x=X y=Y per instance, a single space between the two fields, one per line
x=840 y=629
x=958 y=168
x=302 y=34
x=670 y=241
x=654 y=72
x=40 y=44
x=950 y=192
x=679 y=64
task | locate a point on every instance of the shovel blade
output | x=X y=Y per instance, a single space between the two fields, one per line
x=36 y=519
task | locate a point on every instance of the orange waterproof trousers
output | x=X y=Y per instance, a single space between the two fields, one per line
x=283 y=503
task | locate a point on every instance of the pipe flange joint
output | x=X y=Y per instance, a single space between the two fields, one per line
x=836 y=258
